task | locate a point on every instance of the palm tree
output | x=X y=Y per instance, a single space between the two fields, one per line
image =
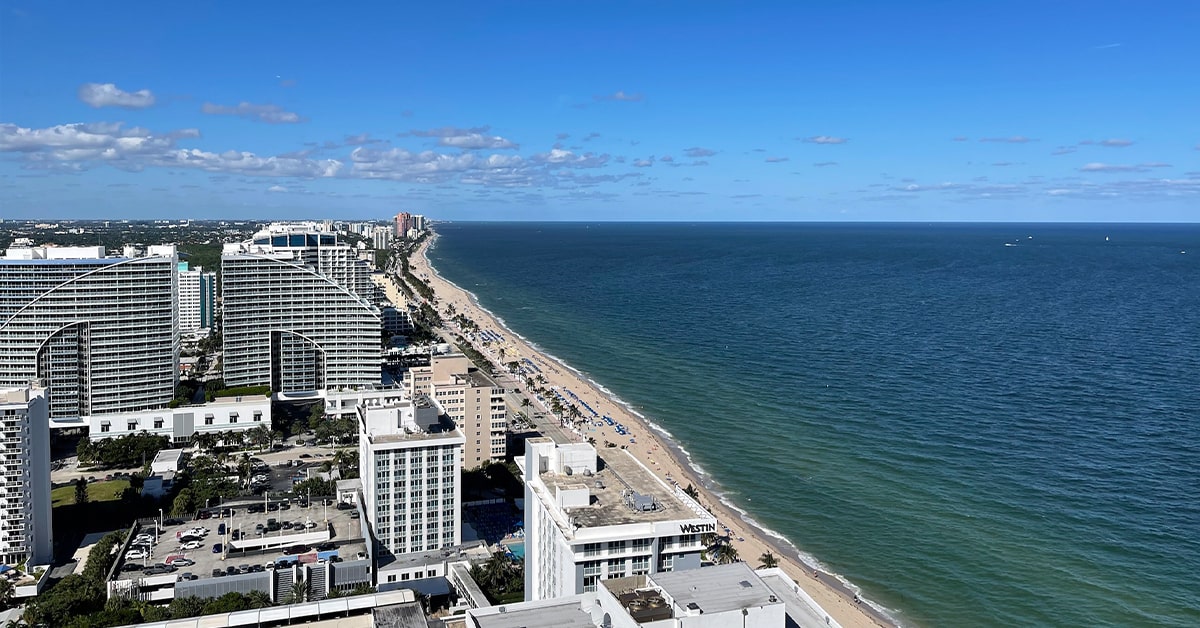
x=258 y=599
x=525 y=403
x=691 y=491
x=298 y=593
x=725 y=554
x=767 y=561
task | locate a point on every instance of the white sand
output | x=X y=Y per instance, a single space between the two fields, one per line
x=749 y=541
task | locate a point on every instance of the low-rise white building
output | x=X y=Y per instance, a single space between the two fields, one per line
x=590 y=518
x=343 y=404
x=224 y=414
x=167 y=461
x=712 y=597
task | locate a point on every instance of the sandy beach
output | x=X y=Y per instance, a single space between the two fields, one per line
x=654 y=451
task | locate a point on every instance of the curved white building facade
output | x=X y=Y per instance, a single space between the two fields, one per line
x=101 y=332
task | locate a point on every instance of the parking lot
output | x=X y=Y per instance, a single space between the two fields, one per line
x=249 y=535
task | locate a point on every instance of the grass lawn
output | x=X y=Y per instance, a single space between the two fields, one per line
x=97 y=492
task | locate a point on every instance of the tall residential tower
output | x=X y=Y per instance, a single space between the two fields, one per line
x=100 y=332
x=296 y=313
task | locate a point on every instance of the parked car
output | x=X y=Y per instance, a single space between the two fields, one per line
x=296 y=549
x=187 y=575
x=221 y=529
x=127 y=567
x=216 y=549
x=325 y=547
x=217 y=573
x=344 y=506
x=135 y=554
x=191 y=545
x=354 y=515
x=181 y=561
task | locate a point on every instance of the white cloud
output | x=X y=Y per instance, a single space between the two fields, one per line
x=825 y=139
x=566 y=158
x=271 y=114
x=475 y=141
x=448 y=131
x=76 y=146
x=696 y=151
x=621 y=96
x=109 y=95
x=1015 y=139
x=776 y=160
x=1096 y=166
x=643 y=163
x=277 y=188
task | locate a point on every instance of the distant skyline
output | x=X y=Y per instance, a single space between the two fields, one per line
x=880 y=111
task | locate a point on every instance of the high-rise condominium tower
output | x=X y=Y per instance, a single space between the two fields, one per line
x=296 y=314
x=100 y=332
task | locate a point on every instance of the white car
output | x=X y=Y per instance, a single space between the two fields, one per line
x=180 y=561
x=191 y=545
x=135 y=554
x=197 y=531
x=143 y=539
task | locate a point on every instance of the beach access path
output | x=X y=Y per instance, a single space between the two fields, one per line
x=840 y=603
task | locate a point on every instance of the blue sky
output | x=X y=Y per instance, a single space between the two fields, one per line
x=602 y=111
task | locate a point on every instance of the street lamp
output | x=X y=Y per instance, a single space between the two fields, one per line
x=160 y=518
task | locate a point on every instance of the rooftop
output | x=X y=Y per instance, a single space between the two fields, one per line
x=257 y=548
x=716 y=589
x=622 y=491
x=564 y=615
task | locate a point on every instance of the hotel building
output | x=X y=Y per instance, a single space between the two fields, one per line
x=101 y=332
x=296 y=313
x=590 y=518
x=471 y=398
x=25 y=533
x=409 y=460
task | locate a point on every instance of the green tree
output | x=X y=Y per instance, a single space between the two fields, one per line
x=187 y=606
x=767 y=561
x=298 y=593
x=258 y=599
x=81 y=491
x=184 y=503
x=691 y=491
x=73 y=596
x=725 y=554
x=6 y=593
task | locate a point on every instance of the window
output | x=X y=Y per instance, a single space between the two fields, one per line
x=133 y=426
x=208 y=420
x=616 y=568
x=616 y=547
x=641 y=545
x=158 y=423
x=591 y=549
x=233 y=418
x=104 y=427
x=589 y=583
x=640 y=565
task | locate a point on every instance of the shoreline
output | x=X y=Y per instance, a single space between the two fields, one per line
x=838 y=597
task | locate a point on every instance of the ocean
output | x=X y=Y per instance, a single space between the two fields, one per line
x=977 y=424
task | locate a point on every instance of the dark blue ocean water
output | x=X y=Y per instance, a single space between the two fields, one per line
x=976 y=434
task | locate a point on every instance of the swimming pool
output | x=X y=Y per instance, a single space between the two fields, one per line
x=517 y=549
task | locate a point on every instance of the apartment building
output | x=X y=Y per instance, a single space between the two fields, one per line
x=25 y=531
x=197 y=299
x=590 y=518
x=471 y=398
x=296 y=314
x=101 y=332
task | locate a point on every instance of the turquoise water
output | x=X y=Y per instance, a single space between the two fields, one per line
x=517 y=549
x=976 y=434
